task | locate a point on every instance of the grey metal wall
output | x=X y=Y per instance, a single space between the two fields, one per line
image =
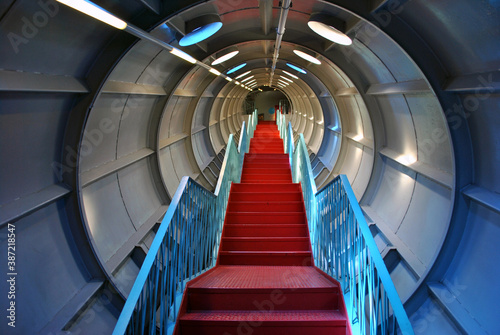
x=96 y=130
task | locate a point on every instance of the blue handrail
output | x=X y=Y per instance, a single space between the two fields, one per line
x=185 y=245
x=344 y=248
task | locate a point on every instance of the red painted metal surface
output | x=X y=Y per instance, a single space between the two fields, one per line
x=265 y=282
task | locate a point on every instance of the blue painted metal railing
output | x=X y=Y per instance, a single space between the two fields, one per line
x=186 y=245
x=344 y=248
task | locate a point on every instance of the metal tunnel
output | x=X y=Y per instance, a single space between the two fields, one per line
x=98 y=127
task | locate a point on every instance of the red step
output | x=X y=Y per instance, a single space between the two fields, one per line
x=265 y=218
x=263 y=171
x=269 y=178
x=237 y=299
x=265 y=230
x=262 y=244
x=265 y=206
x=275 y=188
x=289 y=323
x=266 y=196
x=267 y=300
x=282 y=258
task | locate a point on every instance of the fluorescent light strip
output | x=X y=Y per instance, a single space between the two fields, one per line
x=183 y=55
x=243 y=80
x=228 y=79
x=291 y=75
x=225 y=57
x=236 y=68
x=283 y=77
x=242 y=75
x=214 y=71
x=283 y=82
x=296 y=68
x=95 y=11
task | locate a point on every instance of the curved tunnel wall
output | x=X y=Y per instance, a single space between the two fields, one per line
x=94 y=97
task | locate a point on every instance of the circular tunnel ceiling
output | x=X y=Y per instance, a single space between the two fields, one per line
x=366 y=111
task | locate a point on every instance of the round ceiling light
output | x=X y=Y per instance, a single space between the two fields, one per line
x=329 y=32
x=307 y=57
x=225 y=57
x=200 y=28
x=296 y=68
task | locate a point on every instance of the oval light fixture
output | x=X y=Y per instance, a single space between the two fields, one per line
x=200 y=28
x=323 y=25
x=296 y=68
x=307 y=57
x=225 y=57
x=236 y=68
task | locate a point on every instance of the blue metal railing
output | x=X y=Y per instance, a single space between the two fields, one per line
x=186 y=245
x=344 y=248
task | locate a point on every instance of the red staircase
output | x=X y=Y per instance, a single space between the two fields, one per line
x=265 y=281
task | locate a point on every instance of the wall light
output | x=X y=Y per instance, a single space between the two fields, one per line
x=95 y=11
x=358 y=137
x=248 y=78
x=242 y=75
x=236 y=68
x=330 y=28
x=296 y=68
x=183 y=55
x=291 y=75
x=214 y=71
x=406 y=159
x=225 y=57
x=307 y=57
x=200 y=28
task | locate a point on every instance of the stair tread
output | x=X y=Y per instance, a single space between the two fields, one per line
x=259 y=276
x=256 y=202
x=265 y=252
x=312 y=316
x=274 y=238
